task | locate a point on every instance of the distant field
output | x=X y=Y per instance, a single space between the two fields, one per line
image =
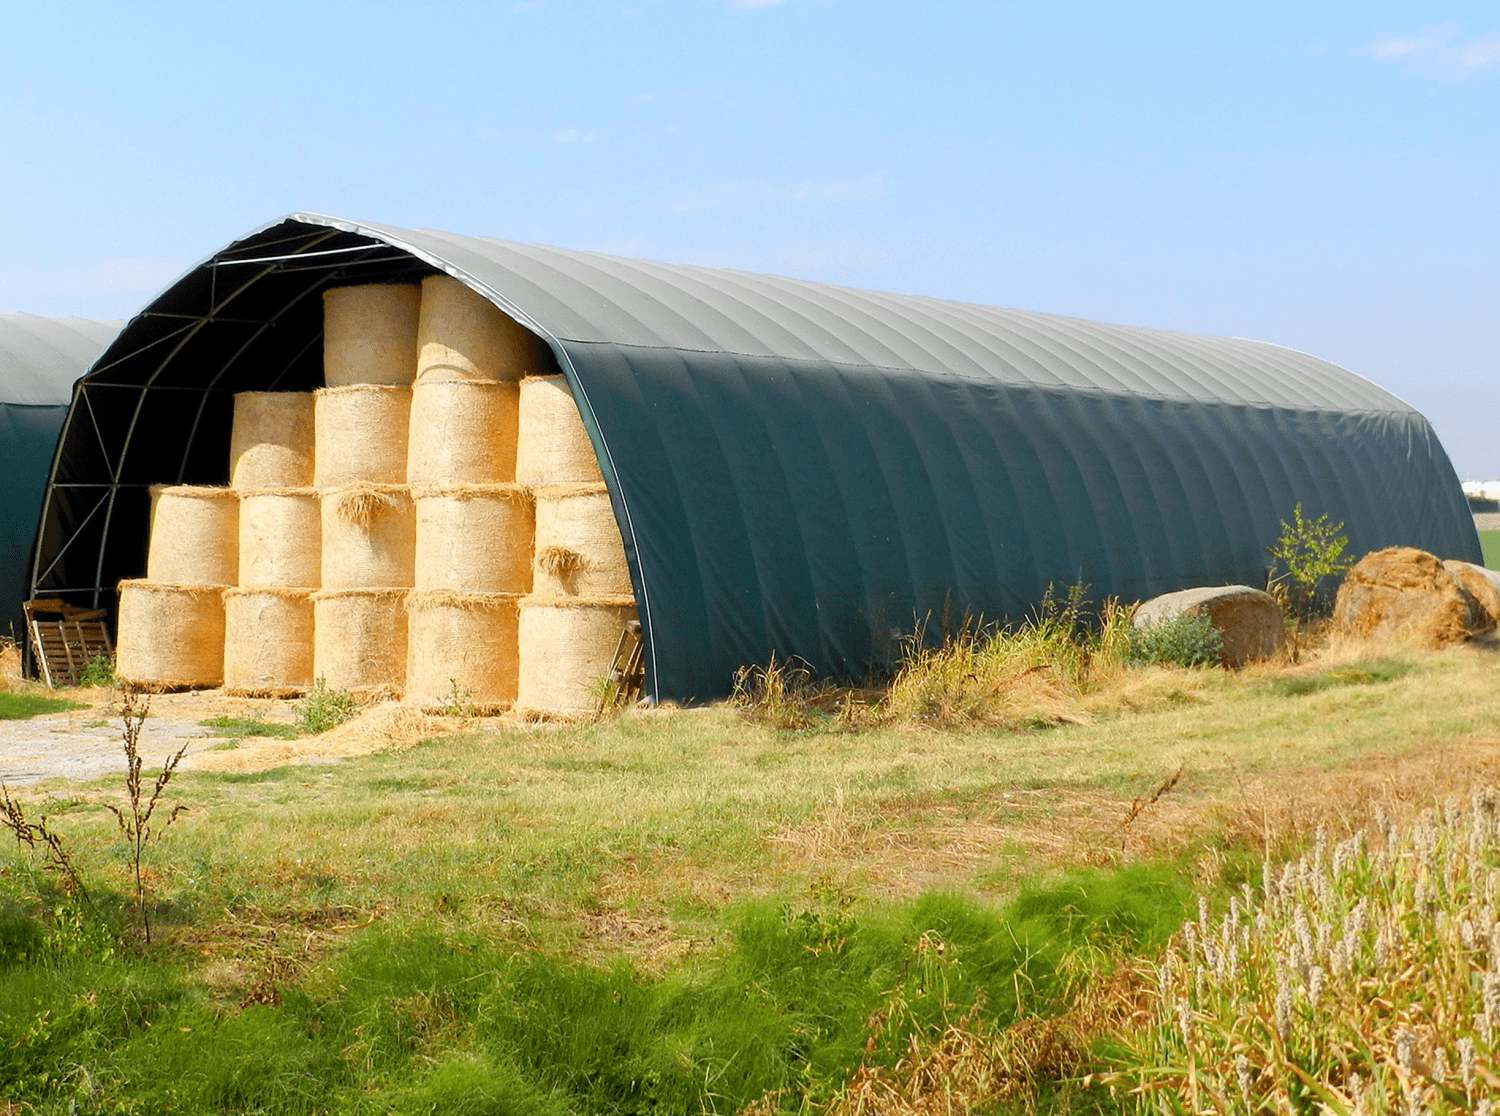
x=1491 y=542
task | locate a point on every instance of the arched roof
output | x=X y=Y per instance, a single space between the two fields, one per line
x=41 y=357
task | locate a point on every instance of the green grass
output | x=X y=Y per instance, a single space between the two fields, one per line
x=1369 y=673
x=1490 y=540
x=238 y=728
x=24 y=704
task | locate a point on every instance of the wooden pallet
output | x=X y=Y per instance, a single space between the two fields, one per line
x=65 y=639
x=627 y=670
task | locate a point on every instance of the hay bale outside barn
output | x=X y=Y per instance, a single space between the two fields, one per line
x=1403 y=595
x=552 y=446
x=462 y=432
x=462 y=646
x=170 y=637
x=194 y=535
x=359 y=640
x=370 y=334
x=360 y=434
x=474 y=538
x=579 y=551
x=461 y=335
x=566 y=647
x=268 y=642
x=271 y=440
x=369 y=537
x=280 y=539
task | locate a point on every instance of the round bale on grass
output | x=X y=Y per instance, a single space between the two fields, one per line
x=170 y=637
x=1403 y=595
x=1249 y=621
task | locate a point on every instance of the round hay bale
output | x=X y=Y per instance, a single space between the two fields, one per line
x=579 y=551
x=1249 y=621
x=462 y=432
x=566 y=649
x=369 y=537
x=271 y=441
x=461 y=335
x=280 y=539
x=551 y=446
x=361 y=435
x=474 y=538
x=170 y=637
x=1403 y=595
x=463 y=649
x=268 y=642
x=1483 y=586
x=359 y=640
x=370 y=334
x=195 y=535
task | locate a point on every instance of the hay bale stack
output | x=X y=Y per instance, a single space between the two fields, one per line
x=369 y=537
x=1403 y=595
x=280 y=539
x=566 y=649
x=271 y=441
x=462 y=646
x=462 y=432
x=1484 y=587
x=359 y=640
x=170 y=637
x=268 y=642
x=194 y=535
x=579 y=551
x=360 y=434
x=552 y=446
x=370 y=334
x=461 y=335
x=474 y=538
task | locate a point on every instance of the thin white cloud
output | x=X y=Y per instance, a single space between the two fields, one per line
x=757 y=193
x=574 y=135
x=1442 y=49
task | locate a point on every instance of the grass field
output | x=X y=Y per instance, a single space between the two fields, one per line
x=1490 y=540
x=682 y=911
x=21 y=704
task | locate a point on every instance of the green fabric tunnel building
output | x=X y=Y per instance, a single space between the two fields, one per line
x=795 y=468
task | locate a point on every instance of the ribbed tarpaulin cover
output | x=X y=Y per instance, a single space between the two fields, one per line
x=811 y=470
x=40 y=359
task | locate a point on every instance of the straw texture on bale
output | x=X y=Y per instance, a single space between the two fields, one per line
x=1404 y=595
x=1483 y=586
x=170 y=637
x=359 y=640
x=474 y=538
x=361 y=435
x=271 y=441
x=552 y=447
x=462 y=432
x=461 y=335
x=566 y=648
x=369 y=537
x=268 y=642
x=280 y=539
x=195 y=535
x=579 y=552
x=370 y=334
x=462 y=645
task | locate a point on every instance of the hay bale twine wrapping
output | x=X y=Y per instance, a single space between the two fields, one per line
x=1483 y=586
x=268 y=642
x=195 y=535
x=280 y=539
x=170 y=637
x=566 y=649
x=1403 y=595
x=551 y=446
x=1249 y=621
x=462 y=432
x=271 y=440
x=579 y=551
x=463 y=647
x=359 y=640
x=361 y=435
x=369 y=537
x=474 y=538
x=461 y=335
x=370 y=334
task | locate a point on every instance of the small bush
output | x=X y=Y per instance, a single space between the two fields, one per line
x=1308 y=552
x=1184 y=641
x=324 y=708
x=98 y=671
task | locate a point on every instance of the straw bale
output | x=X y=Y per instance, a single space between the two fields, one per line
x=566 y=648
x=1483 y=586
x=271 y=441
x=474 y=539
x=280 y=538
x=268 y=642
x=11 y=675
x=552 y=446
x=464 y=645
x=369 y=537
x=1404 y=595
x=194 y=535
x=170 y=637
x=1249 y=621
x=462 y=432
x=359 y=640
x=370 y=334
x=579 y=551
x=361 y=435
x=461 y=335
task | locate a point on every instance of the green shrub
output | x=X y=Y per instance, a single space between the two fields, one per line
x=324 y=708
x=1308 y=552
x=1184 y=641
x=98 y=671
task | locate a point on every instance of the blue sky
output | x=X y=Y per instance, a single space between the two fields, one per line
x=1324 y=176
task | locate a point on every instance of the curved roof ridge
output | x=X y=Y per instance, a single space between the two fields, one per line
x=41 y=356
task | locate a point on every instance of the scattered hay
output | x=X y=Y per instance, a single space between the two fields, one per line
x=380 y=728
x=558 y=561
x=1403 y=595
